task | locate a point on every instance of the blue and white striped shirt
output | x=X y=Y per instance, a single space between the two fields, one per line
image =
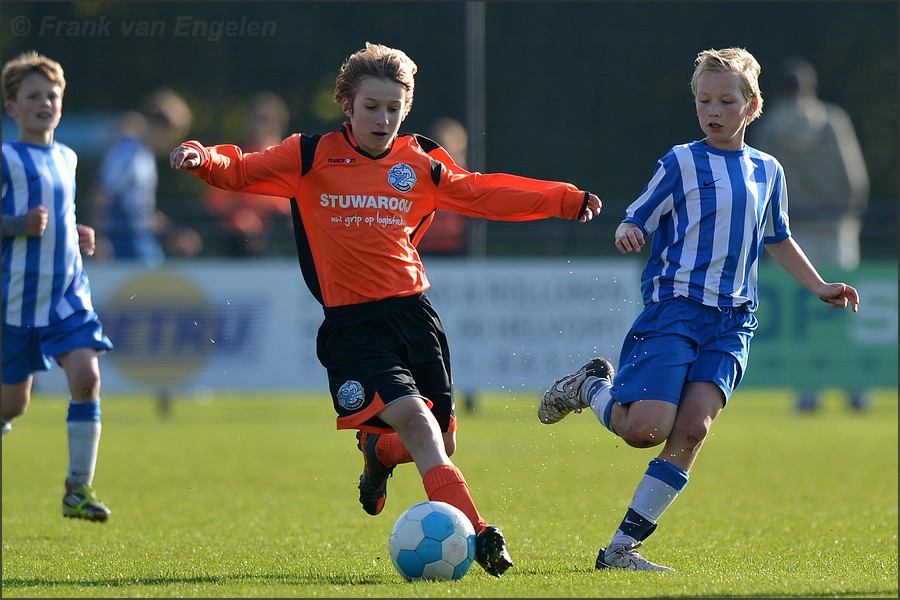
x=710 y=212
x=43 y=278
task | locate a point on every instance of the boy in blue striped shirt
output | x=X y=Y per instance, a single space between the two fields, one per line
x=711 y=205
x=46 y=304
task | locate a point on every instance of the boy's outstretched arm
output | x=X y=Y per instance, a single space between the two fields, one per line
x=793 y=260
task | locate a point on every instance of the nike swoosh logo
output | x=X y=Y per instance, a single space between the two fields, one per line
x=560 y=387
x=709 y=183
x=34 y=177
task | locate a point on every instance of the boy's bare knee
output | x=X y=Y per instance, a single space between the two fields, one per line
x=14 y=410
x=643 y=436
x=419 y=422
x=643 y=442
x=85 y=385
x=15 y=401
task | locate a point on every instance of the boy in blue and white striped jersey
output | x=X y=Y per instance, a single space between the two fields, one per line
x=711 y=206
x=46 y=306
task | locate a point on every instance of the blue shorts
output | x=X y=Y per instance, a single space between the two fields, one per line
x=677 y=341
x=27 y=350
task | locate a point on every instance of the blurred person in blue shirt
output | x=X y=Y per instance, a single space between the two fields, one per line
x=128 y=223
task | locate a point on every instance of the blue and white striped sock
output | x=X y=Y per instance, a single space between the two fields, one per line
x=599 y=395
x=661 y=484
x=83 y=423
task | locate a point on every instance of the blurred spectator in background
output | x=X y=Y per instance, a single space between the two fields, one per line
x=128 y=223
x=447 y=233
x=828 y=183
x=248 y=220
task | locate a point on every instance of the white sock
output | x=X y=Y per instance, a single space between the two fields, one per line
x=656 y=491
x=84 y=440
x=620 y=538
x=599 y=396
x=652 y=497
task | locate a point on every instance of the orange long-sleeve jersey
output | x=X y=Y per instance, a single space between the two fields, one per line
x=357 y=218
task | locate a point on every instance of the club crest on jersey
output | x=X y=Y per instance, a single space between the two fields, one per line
x=402 y=177
x=351 y=395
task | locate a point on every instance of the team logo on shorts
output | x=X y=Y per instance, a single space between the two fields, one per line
x=402 y=177
x=351 y=395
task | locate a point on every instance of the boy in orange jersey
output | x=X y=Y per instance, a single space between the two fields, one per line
x=361 y=199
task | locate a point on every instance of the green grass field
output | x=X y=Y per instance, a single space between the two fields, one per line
x=256 y=497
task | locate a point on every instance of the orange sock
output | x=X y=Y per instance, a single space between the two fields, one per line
x=390 y=451
x=445 y=483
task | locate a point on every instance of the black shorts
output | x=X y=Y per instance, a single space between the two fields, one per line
x=377 y=352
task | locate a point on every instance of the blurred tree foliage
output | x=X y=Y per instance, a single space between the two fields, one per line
x=588 y=92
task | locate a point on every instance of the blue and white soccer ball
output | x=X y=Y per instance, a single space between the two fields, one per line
x=434 y=541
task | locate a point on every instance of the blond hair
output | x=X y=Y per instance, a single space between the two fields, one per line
x=732 y=60
x=25 y=64
x=379 y=61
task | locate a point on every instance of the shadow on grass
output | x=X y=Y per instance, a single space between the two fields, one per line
x=216 y=580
